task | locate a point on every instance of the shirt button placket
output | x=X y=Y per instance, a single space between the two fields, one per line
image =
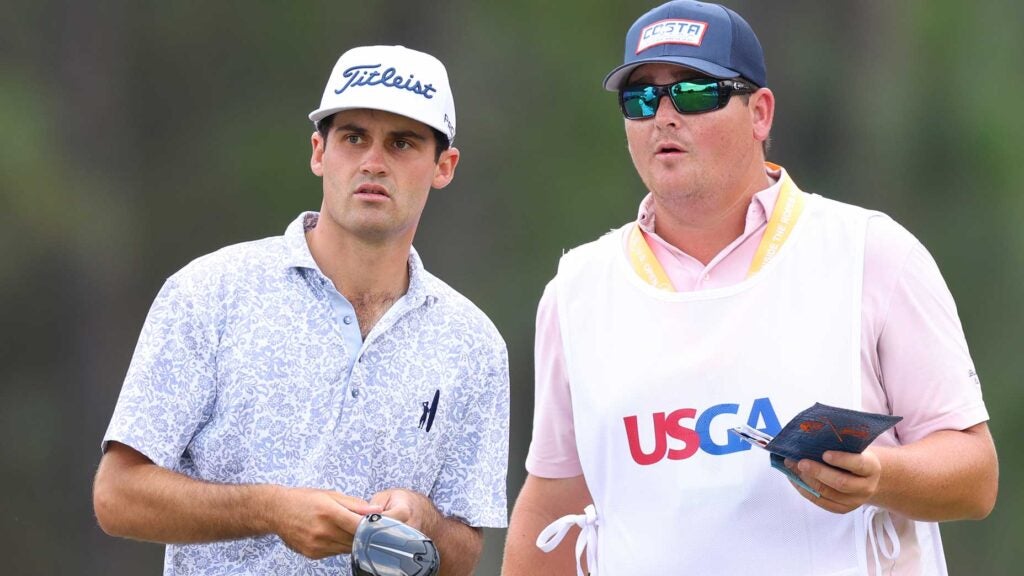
x=356 y=377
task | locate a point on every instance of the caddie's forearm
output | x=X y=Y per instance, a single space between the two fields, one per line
x=146 y=502
x=540 y=502
x=948 y=475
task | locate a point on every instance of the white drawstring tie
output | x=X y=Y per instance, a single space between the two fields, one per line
x=552 y=536
x=879 y=547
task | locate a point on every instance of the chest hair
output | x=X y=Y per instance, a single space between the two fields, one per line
x=370 y=308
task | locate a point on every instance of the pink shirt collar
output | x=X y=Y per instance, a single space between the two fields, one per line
x=728 y=266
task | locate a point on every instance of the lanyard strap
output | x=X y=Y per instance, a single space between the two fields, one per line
x=788 y=208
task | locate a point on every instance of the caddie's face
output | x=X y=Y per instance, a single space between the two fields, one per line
x=377 y=170
x=683 y=157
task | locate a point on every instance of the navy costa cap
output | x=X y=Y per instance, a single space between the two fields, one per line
x=706 y=37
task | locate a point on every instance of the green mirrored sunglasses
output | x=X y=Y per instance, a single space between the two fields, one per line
x=693 y=96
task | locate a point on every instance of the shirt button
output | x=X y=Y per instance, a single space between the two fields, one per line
x=355 y=392
x=347 y=319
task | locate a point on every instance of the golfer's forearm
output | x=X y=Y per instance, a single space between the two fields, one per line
x=147 y=502
x=459 y=545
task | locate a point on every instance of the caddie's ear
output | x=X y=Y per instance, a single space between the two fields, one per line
x=445 y=169
x=762 y=113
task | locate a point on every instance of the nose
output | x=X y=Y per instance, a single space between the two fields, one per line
x=372 y=163
x=666 y=115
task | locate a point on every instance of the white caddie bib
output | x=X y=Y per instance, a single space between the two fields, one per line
x=657 y=378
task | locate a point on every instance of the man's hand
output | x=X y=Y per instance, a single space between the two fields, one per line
x=947 y=475
x=458 y=544
x=317 y=523
x=848 y=481
x=409 y=507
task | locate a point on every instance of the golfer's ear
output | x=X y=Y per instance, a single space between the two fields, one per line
x=316 y=158
x=445 y=169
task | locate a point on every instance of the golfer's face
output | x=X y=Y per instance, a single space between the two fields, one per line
x=377 y=170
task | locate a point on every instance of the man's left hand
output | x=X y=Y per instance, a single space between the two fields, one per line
x=412 y=508
x=848 y=481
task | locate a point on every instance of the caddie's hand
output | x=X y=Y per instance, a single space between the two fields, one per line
x=317 y=523
x=409 y=507
x=848 y=481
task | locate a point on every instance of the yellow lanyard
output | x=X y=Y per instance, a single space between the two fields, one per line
x=788 y=208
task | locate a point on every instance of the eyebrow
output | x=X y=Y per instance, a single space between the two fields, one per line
x=351 y=128
x=403 y=134
x=408 y=135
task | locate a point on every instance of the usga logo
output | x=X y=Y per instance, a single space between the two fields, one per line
x=698 y=435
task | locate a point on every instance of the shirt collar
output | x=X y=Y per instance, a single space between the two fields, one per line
x=297 y=253
x=758 y=213
x=299 y=256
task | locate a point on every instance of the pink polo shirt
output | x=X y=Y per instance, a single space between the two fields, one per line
x=914 y=357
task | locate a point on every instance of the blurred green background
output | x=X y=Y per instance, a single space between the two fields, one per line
x=136 y=136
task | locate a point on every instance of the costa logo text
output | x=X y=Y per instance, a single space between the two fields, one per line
x=671 y=32
x=698 y=434
x=367 y=75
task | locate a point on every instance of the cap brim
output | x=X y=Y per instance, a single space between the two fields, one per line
x=617 y=78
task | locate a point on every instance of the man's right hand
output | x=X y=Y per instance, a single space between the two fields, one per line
x=317 y=523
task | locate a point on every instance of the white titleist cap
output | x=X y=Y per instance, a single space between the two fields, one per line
x=394 y=79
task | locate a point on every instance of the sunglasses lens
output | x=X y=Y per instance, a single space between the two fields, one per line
x=640 y=102
x=691 y=97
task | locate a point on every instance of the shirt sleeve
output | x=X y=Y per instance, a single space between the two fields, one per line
x=170 y=386
x=923 y=362
x=553 y=447
x=472 y=484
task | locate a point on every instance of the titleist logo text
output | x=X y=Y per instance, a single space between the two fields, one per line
x=367 y=75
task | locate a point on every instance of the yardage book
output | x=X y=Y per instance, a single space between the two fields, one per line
x=817 y=429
